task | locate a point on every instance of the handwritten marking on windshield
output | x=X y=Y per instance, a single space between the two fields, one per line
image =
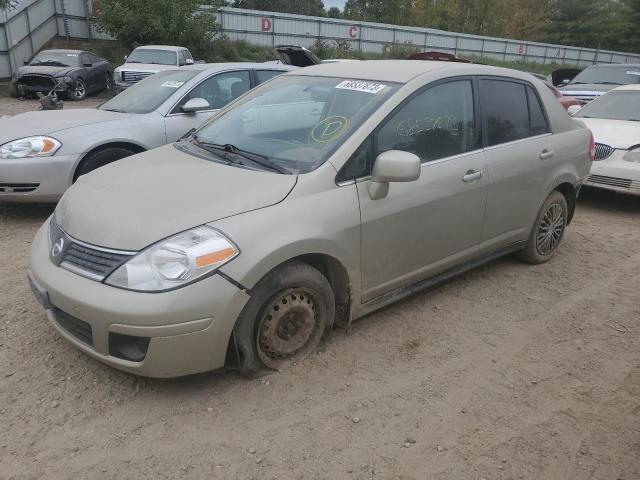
x=330 y=129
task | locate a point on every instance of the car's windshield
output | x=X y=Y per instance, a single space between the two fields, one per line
x=296 y=122
x=617 y=105
x=153 y=56
x=618 y=75
x=148 y=94
x=56 y=59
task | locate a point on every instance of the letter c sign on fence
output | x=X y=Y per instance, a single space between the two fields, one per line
x=266 y=24
x=353 y=31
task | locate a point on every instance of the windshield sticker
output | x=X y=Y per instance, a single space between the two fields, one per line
x=632 y=72
x=172 y=84
x=72 y=54
x=360 y=86
x=330 y=129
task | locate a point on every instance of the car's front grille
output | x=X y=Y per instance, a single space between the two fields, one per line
x=76 y=327
x=43 y=82
x=132 y=77
x=612 y=181
x=18 y=187
x=96 y=262
x=87 y=260
x=603 y=151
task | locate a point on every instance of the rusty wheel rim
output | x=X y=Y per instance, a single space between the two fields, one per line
x=289 y=328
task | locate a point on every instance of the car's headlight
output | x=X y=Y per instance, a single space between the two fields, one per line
x=632 y=156
x=67 y=79
x=30 y=147
x=176 y=261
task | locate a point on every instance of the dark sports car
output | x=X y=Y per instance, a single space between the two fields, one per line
x=73 y=73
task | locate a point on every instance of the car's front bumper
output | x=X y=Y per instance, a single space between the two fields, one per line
x=615 y=174
x=46 y=86
x=189 y=328
x=36 y=180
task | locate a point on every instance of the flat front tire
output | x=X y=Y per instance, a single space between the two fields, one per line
x=291 y=311
x=548 y=230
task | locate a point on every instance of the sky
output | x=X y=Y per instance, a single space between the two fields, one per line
x=334 y=3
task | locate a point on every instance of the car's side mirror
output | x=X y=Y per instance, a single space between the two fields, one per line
x=26 y=62
x=392 y=166
x=565 y=81
x=125 y=57
x=573 y=109
x=189 y=61
x=88 y=64
x=196 y=105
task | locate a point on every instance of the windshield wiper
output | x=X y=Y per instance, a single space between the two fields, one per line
x=50 y=62
x=133 y=61
x=261 y=160
x=608 y=83
x=113 y=110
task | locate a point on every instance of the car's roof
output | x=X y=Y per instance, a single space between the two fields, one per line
x=201 y=67
x=633 y=87
x=62 y=50
x=615 y=65
x=161 y=47
x=401 y=71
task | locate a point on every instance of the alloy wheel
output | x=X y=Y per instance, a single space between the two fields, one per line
x=550 y=229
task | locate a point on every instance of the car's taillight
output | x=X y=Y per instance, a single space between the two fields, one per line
x=592 y=147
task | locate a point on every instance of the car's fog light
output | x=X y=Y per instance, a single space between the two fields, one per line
x=128 y=347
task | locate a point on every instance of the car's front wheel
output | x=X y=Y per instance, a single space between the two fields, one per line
x=78 y=90
x=290 y=311
x=548 y=230
x=101 y=158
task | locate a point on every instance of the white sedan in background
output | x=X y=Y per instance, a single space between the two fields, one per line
x=614 y=119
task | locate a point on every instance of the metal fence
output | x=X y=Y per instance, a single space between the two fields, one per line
x=24 y=31
x=267 y=28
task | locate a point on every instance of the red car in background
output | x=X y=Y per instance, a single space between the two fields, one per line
x=565 y=101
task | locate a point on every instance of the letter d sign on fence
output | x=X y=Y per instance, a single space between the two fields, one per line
x=266 y=24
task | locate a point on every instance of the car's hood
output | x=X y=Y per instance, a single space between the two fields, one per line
x=616 y=133
x=140 y=200
x=144 y=67
x=586 y=88
x=50 y=121
x=45 y=70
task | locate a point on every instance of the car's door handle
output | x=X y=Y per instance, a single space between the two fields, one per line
x=471 y=175
x=546 y=154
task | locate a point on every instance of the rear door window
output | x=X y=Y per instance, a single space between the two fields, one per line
x=506 y=111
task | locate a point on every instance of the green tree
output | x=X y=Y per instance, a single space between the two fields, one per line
x=300 y=7
x=7 y=4
x=172 y=22
x=334 y=12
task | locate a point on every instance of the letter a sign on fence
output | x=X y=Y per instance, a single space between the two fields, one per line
x=266 y=24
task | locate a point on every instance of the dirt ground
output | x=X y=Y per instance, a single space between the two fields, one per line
x=508 y=372
x=14 y=106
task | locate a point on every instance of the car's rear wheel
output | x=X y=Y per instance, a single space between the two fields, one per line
x=108 y=82
x=78 y=90
x=101 y=158
x=548 y=230
x=290 y=312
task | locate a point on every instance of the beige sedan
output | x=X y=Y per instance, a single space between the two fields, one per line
x=320 y=196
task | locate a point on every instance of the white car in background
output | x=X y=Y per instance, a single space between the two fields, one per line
x=149 y=59
x=614 y=119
